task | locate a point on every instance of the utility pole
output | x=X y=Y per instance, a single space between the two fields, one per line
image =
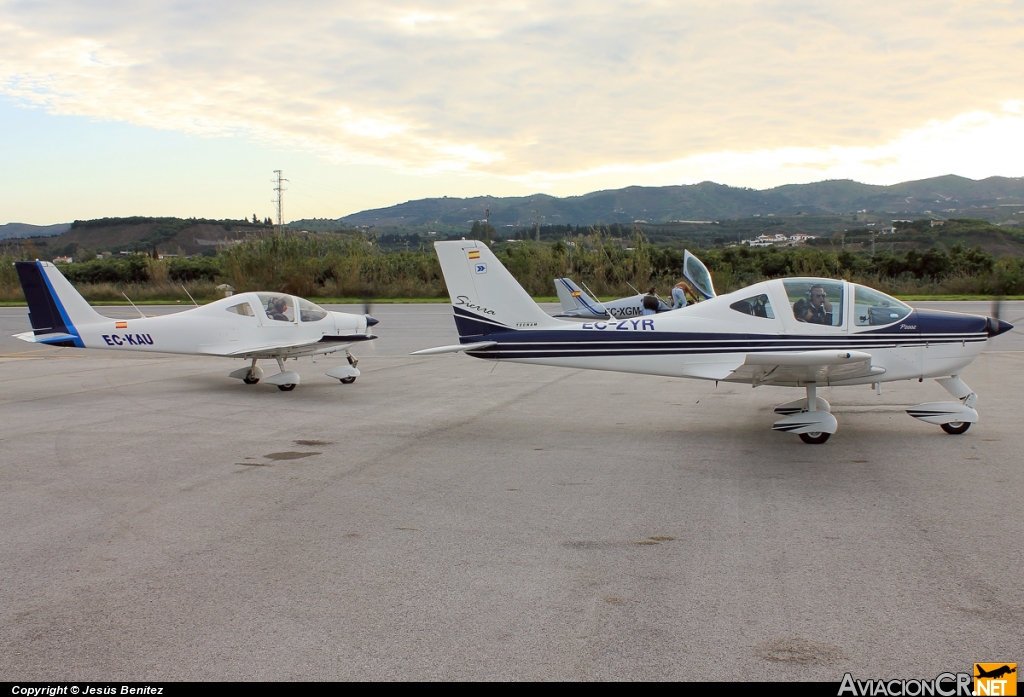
x=536 y=223
x=279 y=188
x=487 y=224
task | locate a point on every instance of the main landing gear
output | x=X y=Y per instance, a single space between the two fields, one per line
x=253 y=374
x=287 y=380
x=250 y=376
x=809 y=418
x=952 y=417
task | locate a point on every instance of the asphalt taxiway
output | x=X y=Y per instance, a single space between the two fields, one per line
x=451 y=518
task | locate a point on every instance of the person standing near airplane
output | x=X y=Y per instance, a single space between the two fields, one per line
x=680 y=292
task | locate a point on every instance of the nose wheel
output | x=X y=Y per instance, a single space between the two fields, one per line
x=347 y=381
x=815 y=437
x=286 y=388
x=956 y=427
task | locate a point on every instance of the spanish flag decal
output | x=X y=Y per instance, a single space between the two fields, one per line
x=121 y=325
x=576 y=294
x=475 y=254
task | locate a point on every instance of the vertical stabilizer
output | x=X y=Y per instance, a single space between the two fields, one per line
x=54 y=306
x=485 y=296
x=576 y=303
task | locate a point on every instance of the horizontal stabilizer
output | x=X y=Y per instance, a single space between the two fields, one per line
x=454 y=348
x=54 y=337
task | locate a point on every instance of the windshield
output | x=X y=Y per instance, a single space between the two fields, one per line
x=872 y=307
x=308 y=312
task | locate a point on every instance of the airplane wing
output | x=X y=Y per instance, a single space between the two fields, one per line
x=822 y=366
x=789 y=367
x=327 y=344
x=455 y=348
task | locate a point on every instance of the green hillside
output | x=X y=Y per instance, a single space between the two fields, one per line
x=998 y=199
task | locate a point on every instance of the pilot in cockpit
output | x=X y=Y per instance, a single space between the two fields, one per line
x=277 y=308
x=820 y=307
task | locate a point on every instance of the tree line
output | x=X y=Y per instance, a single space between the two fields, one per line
x=349 y=266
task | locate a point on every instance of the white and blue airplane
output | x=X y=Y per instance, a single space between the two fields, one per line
x=250 y=326
x=577 y=303
x=797 y=332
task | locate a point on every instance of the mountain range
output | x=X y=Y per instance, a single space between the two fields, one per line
x=23 y=230
x=996 y=199
x=947 y=196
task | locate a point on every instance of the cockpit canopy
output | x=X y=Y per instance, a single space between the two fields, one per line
x=281 y=307
x=823 y=301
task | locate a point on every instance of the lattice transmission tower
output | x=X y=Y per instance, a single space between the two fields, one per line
x=279 y=201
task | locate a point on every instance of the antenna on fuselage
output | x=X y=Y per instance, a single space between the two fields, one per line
x=189 y=295
x=133 y=305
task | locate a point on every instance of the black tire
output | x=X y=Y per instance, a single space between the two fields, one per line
x=347 y=381
x=286 y=388
x=250 y=381
x=956 y=428
x=814 y=438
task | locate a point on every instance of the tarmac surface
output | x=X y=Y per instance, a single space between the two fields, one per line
x=448 y=518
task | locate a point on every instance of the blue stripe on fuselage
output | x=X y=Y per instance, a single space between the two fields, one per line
x=918 y=329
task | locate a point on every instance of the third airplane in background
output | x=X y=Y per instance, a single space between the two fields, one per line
x=579 y=304
x=797 y=332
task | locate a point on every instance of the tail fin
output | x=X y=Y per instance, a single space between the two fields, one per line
x=485 y=296
x=54 y=306
x=577 y=304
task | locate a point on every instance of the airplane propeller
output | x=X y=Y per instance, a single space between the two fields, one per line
x=995 y=315
x=367 y=308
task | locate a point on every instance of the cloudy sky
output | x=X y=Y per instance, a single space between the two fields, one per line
x=185 y=108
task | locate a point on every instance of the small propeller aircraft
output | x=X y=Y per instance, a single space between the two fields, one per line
x=579 y=304
x=797 y=332
x=250 y=326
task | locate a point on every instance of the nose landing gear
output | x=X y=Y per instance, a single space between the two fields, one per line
x=952 y=417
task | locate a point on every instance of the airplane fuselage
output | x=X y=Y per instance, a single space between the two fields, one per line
x=711 y=341
x=213 y=329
